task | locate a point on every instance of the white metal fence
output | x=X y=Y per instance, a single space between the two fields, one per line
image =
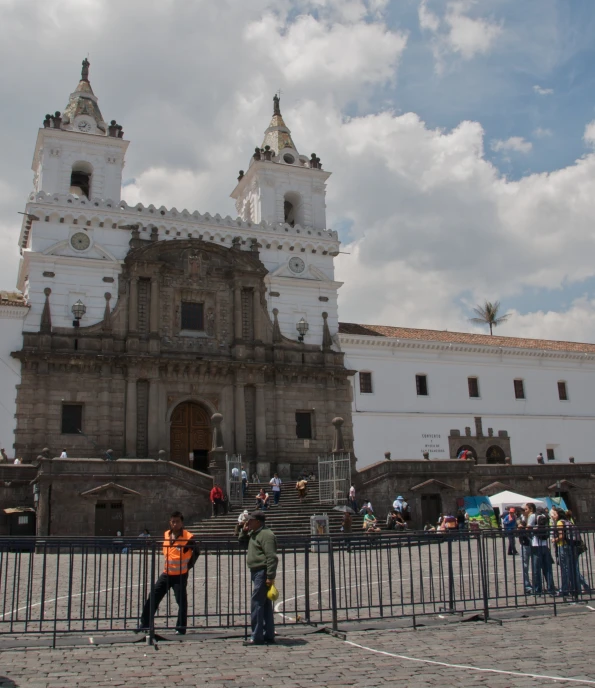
x=334 y=471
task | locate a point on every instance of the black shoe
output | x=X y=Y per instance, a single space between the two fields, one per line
x=272 y=641
x=180 y=631
x=141 y=629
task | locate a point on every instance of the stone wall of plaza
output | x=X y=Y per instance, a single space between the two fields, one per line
x=70 y=491
x=141 y=383
x=450 y=480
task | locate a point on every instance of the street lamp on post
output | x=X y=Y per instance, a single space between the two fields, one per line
x=78 y=310
x=302 y=327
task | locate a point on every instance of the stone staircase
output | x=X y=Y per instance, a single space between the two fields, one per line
x=289 y=518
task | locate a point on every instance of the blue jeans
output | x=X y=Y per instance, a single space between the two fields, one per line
x=276 y=495
x=572 y=579
x=262 y=618
x=542 y=567
x=526 y=560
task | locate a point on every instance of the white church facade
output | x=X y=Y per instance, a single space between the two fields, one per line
x=133 y=324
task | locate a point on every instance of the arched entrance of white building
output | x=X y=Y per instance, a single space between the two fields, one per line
x=495 y=455
x=190 y=436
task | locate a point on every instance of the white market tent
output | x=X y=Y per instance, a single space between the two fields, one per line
x=506 y=499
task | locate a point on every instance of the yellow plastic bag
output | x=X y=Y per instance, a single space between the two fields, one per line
x=273 y=593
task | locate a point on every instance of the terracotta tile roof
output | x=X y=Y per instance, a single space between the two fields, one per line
x=463 y=338
x=12 y=298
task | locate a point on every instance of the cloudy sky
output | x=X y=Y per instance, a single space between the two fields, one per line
x=460 y=134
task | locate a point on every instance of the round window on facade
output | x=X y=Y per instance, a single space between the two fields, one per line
x=288 y=158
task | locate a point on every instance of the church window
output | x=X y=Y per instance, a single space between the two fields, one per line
x=365 y=383
x=72 y=419
x=289 y=212
x=519 y=389
x=551 y=456
x=303 y=425
x=562 y=391
x=293 y=209
x=421 y=384
x=288 y=158
x=473 y=383
x=192 y=316
x=80 y=179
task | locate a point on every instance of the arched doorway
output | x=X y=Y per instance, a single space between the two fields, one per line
x=495 y=455
x=469 y=448
x=190 y=436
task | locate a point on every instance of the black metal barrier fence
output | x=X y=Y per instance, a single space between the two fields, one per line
x=78 y=585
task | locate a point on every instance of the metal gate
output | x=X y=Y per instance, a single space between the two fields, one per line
x=233 y=479
x=334 y=478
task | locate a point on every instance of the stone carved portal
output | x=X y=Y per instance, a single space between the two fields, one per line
x=190 y=434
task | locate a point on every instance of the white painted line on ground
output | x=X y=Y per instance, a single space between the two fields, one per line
x=468 y=667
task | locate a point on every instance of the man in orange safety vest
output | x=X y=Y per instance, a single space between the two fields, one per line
x=180 y=551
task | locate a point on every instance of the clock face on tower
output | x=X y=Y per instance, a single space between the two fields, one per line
x=84 y=126
x=297 y=265
x=80 y=241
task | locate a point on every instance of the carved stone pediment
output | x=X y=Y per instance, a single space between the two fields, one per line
x=110 y=491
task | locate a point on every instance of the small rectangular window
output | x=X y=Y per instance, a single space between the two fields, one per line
x=192 y=316
x=519 y=389
x=550 y=454
x=473 y=383
x=72 y=419
x=303 y=425
x=365 y=383
x=23 y=520
x=562 y=392
x=421 y=384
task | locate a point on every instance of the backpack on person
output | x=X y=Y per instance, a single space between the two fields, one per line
x=540 y=530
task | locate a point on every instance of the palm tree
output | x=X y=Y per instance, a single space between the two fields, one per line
x=488 y=315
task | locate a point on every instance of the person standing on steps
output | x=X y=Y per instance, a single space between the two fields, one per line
x=217 y=499
x=180 y=551
x=301 y=486
x=262 y=561
x=276 y=483
x=244 y=481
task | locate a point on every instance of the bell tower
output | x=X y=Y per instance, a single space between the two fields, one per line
x=282 y=186
x=77 y=152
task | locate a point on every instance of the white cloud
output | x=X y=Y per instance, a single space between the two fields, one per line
x=589 y=135
x=543 y=91
x=456 y=32
x=516 y=144
x=541 y=133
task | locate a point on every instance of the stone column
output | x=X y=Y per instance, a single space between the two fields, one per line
x=154 y=424
x=256 y=314
x=240 y=419
x=131 y=417
x=237 y=311
x=261 y=424
x=133 y=305
x=154 y=315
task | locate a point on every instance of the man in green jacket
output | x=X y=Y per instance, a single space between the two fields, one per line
x=262 y=561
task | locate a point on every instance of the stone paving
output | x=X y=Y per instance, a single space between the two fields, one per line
x=556 y=651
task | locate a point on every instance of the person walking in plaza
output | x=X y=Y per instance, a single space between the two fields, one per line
x=262 y=561
x=525 y=540
x=542 y=557
x=301 y=487
x=509 y=524
x=244 y=481
x=276 y=483
x=180 y=552
x=217 y=499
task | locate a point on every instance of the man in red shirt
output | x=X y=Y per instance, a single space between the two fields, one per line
x=217 y=499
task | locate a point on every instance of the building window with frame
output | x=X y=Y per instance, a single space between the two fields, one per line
x=192 y=316
x=519 y=389
x=365 y=383
x=473 y=383
x=303 y=425
x=562 y=391
x=421 y=385
x=72 y=419
x=551 y=456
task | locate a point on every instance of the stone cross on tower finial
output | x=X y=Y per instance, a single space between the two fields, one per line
x=276 y=108
x=85 y=70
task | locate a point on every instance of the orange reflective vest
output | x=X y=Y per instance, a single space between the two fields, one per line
x=177 y=553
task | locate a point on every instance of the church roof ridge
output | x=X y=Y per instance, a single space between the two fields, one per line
x=158 y=214
x=420 y=334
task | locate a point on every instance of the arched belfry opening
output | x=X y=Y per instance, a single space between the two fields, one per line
x=190 y=436
x=293 y=209
x=80 y=179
